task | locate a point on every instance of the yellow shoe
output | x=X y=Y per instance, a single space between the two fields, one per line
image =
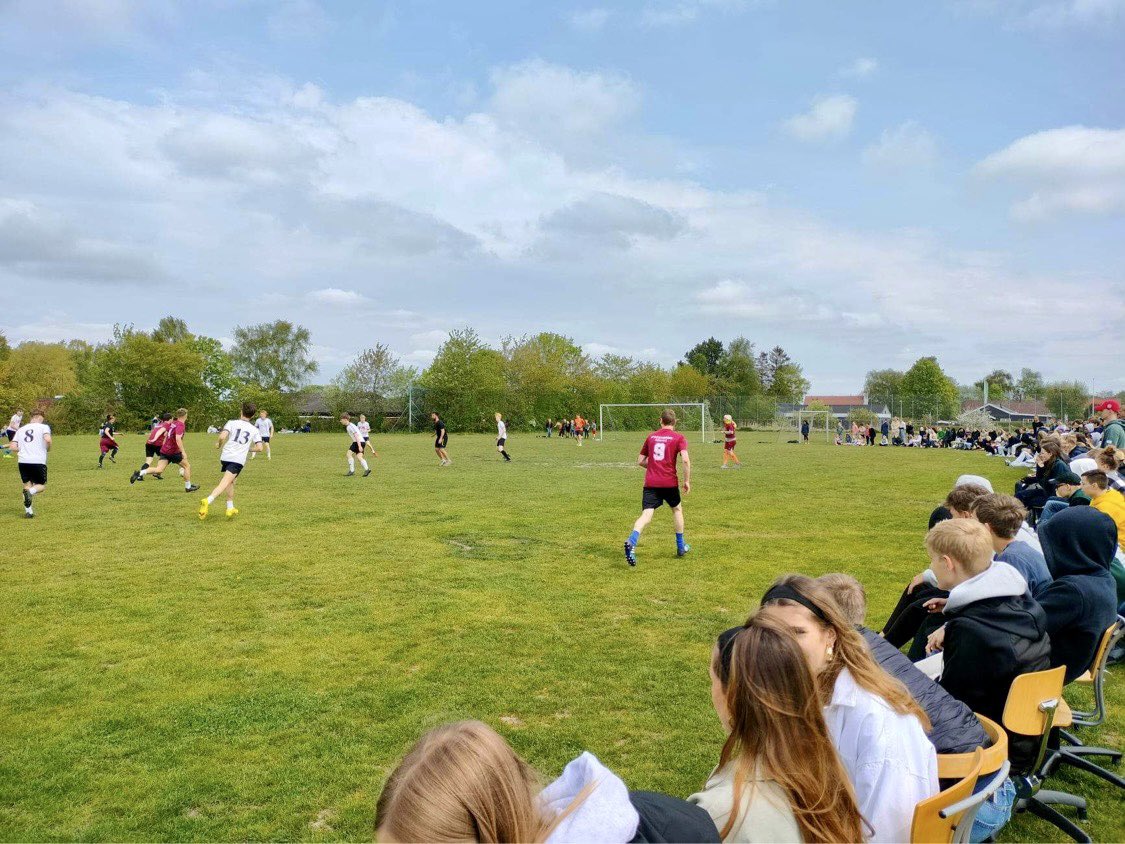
x=232 y=512
x=203 y=505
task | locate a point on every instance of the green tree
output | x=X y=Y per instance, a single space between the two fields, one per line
x=738 y=371
x=1030 y=385
x=686 y=383
x=274 y=355
x=705 y=356
x=927 y=392
x=883 y=386
x=1066 y=399
x=34 y=370
x=788 y=383
x=546 y=375
x=1000 y=385
x=171 y=329
x=465 y=382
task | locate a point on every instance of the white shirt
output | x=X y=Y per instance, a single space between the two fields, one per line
x=353 y=432
x=364 y=429
x=240 y=436
x=892 y=764
x=501 y=429
x=264 y=426
x=31 y=442
x=15 y=421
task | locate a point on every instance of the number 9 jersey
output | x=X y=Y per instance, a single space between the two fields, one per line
x=661 y=449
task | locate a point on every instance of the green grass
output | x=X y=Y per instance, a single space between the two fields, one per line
x=255 y=679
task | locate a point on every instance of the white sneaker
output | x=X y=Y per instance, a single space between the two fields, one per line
x=724 y=466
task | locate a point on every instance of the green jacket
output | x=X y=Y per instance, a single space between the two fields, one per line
x=1114 y=434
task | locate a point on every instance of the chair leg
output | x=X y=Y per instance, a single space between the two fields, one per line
x=1061 y=798
x=1086 y=750
x=1070 y=738
x=1042 y=810
x=1084 y=764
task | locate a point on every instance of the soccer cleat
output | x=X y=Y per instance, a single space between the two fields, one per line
x=112 y=459
x=29 y=515
x=232 y=512
x=192 y=488
x=349 y=474
x=136 y=476
x=26 y=499
x=158 y=475
x=630 y=556
x=680 y=553
x=366 y=472
x=204 y=504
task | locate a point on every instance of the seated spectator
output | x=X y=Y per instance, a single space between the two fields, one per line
x=1111 y=460
x=879 y=730
x=779 y=777
x=1003 y=515
x=1081 y=601
x=955 y=729
x=1068 y=493
x=1025 y=458
x=1095 y=485
x=1034 y=490
x=994 y=630
x=463 y=782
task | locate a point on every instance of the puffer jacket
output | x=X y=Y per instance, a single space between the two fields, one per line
x=954 y=727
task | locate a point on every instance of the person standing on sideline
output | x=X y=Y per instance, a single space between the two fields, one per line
x=106 y=441
x=662 y=485
x=238 y=439
x=355 y=447
x=265 y=428
x=502 y=437
x=805 y=431
x=31 y=442
x=1113 y=432
x=730 y=440
x=548 y=428
x=441 y=440
x=885 y=430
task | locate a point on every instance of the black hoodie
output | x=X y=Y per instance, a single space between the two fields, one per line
x=1078 y=545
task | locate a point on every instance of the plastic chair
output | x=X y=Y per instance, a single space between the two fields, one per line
x=1035 y=705
x=938 y=819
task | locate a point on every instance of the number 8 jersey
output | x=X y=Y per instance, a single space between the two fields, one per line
x=240 y=436
x=661 y=449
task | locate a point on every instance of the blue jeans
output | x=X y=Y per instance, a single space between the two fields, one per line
x=995 y=812
x=1050 y=508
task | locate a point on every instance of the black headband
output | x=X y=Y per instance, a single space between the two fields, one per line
x=784 y=591
x=726 y=650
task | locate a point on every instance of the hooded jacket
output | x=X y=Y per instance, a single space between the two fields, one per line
x=995 y=631
x=1081 y=602
x=954 y=727
x=610 y=813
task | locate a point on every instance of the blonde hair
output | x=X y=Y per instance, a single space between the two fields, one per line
x=848 y=593
x=464 y=782
x=727 y=417
x=851 y=651
x=1111 y=457
x=965 y=540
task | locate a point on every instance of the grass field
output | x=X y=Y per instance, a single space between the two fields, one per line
x=166 y=678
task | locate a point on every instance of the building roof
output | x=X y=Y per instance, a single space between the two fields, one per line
x=1023 y=408
x=834 y=401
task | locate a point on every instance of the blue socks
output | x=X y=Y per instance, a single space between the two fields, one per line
x=680 y=542
x=634 y=537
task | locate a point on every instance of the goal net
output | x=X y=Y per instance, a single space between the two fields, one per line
x=692 y=419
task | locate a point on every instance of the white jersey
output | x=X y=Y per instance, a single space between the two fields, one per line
x=353 y=432
x=264 y=426
x=15 y=422
x=240 y=436
x=31 y=442
x=501 y=429
x=364 y=429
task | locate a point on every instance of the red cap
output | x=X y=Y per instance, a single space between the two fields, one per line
x=1109 y=404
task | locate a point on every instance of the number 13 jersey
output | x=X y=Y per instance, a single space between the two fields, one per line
x=240 y=436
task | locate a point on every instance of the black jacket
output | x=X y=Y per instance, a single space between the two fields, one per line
x=665 y=818
x=1078 y=545
x=954 y=728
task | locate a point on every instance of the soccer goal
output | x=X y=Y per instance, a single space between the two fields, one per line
x=690 y=417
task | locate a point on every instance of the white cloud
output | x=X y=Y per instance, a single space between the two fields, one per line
x=679 y=12
x=1075 y=169
x=336 y=297
x=829 y=118
x=589 y=20
x=861 y=68
x=293 y=20
x=57 y=327
x=908 y=147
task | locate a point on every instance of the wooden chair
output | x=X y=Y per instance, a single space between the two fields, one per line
x=1096 y=677
x=935 y=822
x=1034 y=707
x=955 y=766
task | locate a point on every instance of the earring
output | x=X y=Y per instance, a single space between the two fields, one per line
x=828 y=653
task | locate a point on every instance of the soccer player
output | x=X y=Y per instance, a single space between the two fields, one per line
x=365 y=431
x=10 y=432
x=265 y=427
x=31 y=442
x=658 y=457
x=579 y=428
x=172 y=451
x=238 y=439
x=502 y=437
x=356 y=447
x=107 y=443
x=441 y=440
x=152 y=446
x=730 y=440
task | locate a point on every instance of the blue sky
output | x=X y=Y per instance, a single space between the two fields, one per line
x=862 y=183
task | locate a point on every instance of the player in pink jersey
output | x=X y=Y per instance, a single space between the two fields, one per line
x=730 y=440
x=662 y=485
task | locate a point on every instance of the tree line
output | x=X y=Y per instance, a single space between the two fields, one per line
x=138 y=373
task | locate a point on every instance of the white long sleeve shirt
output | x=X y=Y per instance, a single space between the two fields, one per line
x=891 y=763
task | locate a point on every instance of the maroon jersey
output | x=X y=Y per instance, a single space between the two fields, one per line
x=158 y=433
x=661 y=449
x=170 y=446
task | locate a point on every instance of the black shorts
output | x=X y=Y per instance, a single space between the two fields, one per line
x=10 y=434
x=152 y=449
x=441 y=443
x=354 y=448
x=654 y=496
x=230 y=466
x=500 y=442
x=33 y=473
x=265 y=439
x=172 y=458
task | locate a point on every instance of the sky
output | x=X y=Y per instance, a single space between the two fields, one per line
x=862 y=183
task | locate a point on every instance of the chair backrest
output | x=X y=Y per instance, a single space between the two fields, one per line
x=953 y=766
x=933 y=825
x=1032 y=700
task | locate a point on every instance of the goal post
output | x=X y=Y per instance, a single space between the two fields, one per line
x=637 y=417
x=813 y=418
